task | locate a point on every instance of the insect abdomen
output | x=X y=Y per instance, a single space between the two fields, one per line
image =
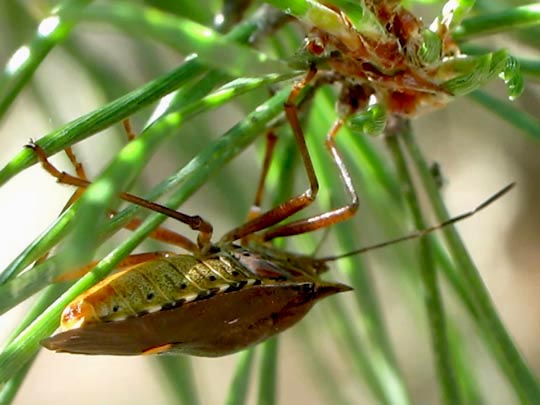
x=153 y=286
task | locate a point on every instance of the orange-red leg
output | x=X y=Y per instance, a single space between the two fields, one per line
x=161 y=233
x=328 y=218
x=295 y=204
x=158 y=350
x=195 y=222
x=165 y=235
x=128 y=129
x=255 y=209
x=79 y=169
x=290 y=207
x=128 y=261
x=75 y=196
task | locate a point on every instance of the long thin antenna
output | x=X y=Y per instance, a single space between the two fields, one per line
x=425 y=231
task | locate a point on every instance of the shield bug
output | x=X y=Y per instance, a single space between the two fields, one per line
x=209 y=305
x=220 y=299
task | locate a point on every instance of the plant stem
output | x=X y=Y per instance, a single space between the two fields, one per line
x=10 y=389
x=497 y=22
x=503 y=110
x=179 y=376
x=268 y=376
x=396 y=127
x=24 y=62
x=104 y=117
x=499 y=341
x=192 y=176
x=212 y=49
x=379 y=366
x=238 y=389
x=87 y=125
x=22 y=287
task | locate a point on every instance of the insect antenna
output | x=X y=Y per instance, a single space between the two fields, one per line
x=425 y=231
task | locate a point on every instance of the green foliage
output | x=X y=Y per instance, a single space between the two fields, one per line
x=238 y=69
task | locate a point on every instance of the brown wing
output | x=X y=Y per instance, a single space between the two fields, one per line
x=216 y=326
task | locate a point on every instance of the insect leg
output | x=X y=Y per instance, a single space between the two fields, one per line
x=161 y=233
x=328 y=218
x=164 y=234
x=194 y=222
x=158 y=349
x=128 y=129
x=79 y=168
x=128 y=261
x=255 y=209
x=295 y=204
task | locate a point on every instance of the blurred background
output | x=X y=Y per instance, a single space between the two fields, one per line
x=477 y=154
